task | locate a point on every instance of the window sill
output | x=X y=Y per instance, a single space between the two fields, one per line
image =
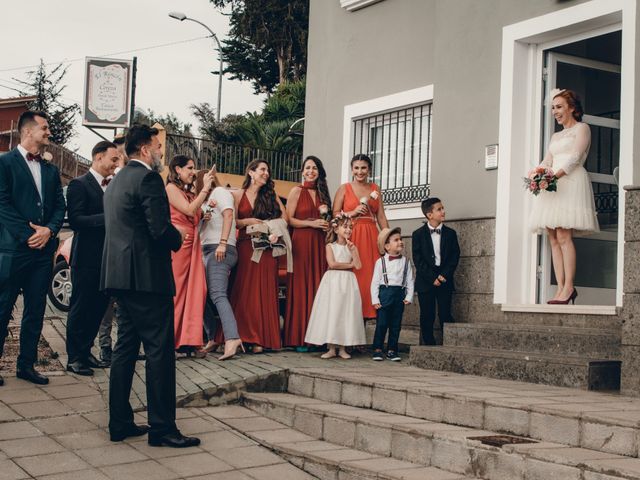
x=564 y=309
x=353 y=5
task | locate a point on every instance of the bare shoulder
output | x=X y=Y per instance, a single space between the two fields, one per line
x=295 y=192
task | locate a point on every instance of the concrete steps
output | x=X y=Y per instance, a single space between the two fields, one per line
x=323 y=460
x=608 y=423
x=573 y=371
x=554 y=340
x=414 y=442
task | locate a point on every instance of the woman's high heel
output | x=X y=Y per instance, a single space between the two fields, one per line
x=231 y=348
x=572 y=299
x=209 y=347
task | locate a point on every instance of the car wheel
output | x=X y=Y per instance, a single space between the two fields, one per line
x=60 y=287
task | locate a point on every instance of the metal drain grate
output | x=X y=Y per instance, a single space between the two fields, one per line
x=500 y=440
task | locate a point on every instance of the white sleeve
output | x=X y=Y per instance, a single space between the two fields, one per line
x=223 y=198
x=580 y=148
x=410 y=282
x=376 y=281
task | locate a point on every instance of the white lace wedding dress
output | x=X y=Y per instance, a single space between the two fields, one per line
x=336 y=316
x=572 y=205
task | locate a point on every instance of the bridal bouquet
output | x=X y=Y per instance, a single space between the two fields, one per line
x=539 y=179
x=262 y=237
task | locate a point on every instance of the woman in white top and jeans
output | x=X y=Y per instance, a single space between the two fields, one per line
x=218 y=237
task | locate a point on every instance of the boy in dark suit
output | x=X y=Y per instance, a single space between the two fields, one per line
x=86 y=218
x=31 y=213
x=435 y=254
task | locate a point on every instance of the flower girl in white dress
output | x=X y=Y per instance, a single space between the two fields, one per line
x=336 y=316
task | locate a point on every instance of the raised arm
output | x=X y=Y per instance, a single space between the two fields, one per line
x=180 y=203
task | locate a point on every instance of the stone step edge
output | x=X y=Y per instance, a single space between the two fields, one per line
x=231 y=392
x=318 y=462
x=542 y=329
x=571 y=360
x=456 y=439
x=544 y=423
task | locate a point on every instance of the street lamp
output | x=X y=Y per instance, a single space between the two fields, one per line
x=181 y=16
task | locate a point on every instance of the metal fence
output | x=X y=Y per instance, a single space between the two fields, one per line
x=70 y=164
x=399 y=145
x=233 y=158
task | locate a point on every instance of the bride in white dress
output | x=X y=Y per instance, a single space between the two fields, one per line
x=336 y=316
x=572 y=206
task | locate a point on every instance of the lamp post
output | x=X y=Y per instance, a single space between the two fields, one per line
x=181 y=16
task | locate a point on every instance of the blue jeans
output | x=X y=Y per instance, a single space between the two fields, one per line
x=217 y=286
x=389 y=317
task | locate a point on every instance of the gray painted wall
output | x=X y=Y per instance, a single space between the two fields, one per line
x=396 y=45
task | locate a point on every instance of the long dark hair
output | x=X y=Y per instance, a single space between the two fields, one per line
x=266 y=206
x=173 y=177
x=321 y=182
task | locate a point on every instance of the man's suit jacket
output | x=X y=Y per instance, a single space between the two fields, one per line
x=424 y=257
x=20 y=203
x=139 y=234
x=86 y=218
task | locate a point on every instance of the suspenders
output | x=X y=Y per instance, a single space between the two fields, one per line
x=404 y=274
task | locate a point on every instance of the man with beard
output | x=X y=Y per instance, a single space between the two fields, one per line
x=136 y=270
x=31 y=213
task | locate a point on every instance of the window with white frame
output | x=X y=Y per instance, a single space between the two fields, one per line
x=399 y=145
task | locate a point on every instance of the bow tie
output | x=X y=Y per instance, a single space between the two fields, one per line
x=395 y=257
x=33 y=158
x=435 y=230
x=105 y=182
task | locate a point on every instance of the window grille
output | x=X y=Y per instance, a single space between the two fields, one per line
x=399 y=145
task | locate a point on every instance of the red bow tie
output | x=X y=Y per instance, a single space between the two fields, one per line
x=395 y=257
x=33 y=158
x=435 y=230
x=105 y=182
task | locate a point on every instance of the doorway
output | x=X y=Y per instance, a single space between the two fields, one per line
x=591 y=68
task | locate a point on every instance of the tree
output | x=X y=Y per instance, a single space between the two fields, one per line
x=223 y=131
x=268 y=41
x=169 y=121
x=47 y=87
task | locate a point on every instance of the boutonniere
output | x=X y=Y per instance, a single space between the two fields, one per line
x=47 y=157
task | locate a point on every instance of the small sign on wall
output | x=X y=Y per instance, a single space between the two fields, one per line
x=491 y=157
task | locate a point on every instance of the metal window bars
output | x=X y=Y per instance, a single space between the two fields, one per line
x=399 y=145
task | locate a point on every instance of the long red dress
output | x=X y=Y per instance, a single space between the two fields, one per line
x=189 y=276
x=309 y=264
x=254 y=296
x=365 y=237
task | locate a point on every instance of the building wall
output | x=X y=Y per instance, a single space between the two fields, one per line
x=397 y=45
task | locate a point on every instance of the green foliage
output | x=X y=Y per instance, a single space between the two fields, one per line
x=223 y=131
x=47 y=87
x=267 y=42
x=169 y=121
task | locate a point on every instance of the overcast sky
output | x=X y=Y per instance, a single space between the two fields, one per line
x=169 y=79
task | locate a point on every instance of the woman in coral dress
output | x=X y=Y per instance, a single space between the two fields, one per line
x=362 y=201
x=254 y=296
x=188 y=268
x=304 y=207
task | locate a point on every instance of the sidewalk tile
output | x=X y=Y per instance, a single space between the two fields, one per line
x=85 y=439
x=138 y=471
x=93 y=403
x=69 y=391
x=231 y=475
x=245 y=457
x=278 y=472
x=196 y=464
x=7 y=414
x=11 y=471
x=66 y=424
x=22 y=395
x=52 y=463
x=223 y=439
x=195 y=425
x=111 y=455
x=26 y=447
x=77 y=475
x=42 y=408
x=14 y=430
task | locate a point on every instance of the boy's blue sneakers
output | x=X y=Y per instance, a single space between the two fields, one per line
x=377 y=356
x=393 y=356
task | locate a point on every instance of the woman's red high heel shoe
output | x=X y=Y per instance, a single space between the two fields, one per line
x=572 y=299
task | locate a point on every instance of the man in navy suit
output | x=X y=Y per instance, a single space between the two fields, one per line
x=31 y=214
x=86 y=218
x=435 y=254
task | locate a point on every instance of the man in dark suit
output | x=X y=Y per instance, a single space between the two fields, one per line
x=86 y=218
x=435 y=254
x=31 y=213
x=136 y=270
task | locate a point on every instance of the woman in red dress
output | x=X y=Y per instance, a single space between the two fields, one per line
x=188 y=267
x=308 y=207
x=254 y=297
x=362 y=201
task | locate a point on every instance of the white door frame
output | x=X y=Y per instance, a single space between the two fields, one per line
x=520 y=130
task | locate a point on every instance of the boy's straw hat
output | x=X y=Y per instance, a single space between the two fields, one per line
x=383 y=235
